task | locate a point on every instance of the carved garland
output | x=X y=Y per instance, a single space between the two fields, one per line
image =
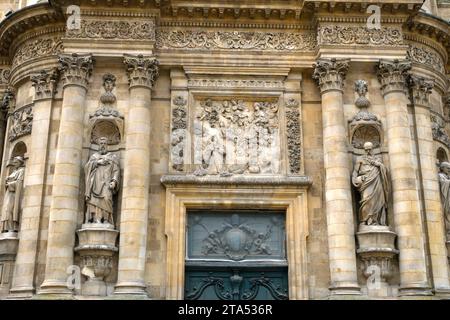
x=293 y=135
x=223 y=40
x=332 y=35
x=179 y=127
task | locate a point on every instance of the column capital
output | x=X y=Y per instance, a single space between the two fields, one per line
x=142 y=71
x=420 y=89
x=44 y=83
x=330 y=73
x=76 y=69
x=392 y=75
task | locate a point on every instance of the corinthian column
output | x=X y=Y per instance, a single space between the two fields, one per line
x=24 y=270
x=420 y=91
x=407 y=215
x=66 y=180
x=330 y=75
x=142 y=73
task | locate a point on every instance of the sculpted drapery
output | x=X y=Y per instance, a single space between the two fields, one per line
x=371 y=179
x=102 y=182
x=11 y=202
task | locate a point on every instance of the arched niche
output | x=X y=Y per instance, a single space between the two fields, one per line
x=441 y=155
x=19 y=149
x=366 y=133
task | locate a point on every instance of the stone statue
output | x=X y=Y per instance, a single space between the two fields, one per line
x=370 y=177
x=444 y=181
x=11 y=201
x=102 y=182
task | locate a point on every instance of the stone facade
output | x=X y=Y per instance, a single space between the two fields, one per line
x=116 y=127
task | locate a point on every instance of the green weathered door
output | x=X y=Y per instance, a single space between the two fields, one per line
x=238 y=255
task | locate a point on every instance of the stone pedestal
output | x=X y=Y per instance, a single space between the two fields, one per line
x=376 y=249
x=9 y=242
x=97 y=245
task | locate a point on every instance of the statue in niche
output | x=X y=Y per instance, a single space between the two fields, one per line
x=102 y=182
x=11 y=201
x=371 y=179
x=444 y=181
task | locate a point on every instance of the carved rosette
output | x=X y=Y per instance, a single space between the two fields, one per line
x=7 y=104
x=179 y=127
x=330 y=74
x=420 y=89
x=293 y=131
x=142 y=71
x=76 y=69
x=393 y=75
x=45 y=83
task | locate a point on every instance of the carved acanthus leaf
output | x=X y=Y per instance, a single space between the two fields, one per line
x=330 y=73
x=45 y=83
x=142 y=71
x=76 y=69
x=420 y=89
x=392 y=75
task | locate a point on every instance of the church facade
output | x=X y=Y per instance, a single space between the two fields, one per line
x=166 y=149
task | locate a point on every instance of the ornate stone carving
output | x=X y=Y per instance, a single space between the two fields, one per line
x=226 y=83
x=233 y=137
x=232 y=40
x=142 y=71
x=8 y=100
x=444 y=182
x=21 y=123
x=392 y=75
x=36 y=49
x=438 y=130
x=361 y=89
x=110 y=29
x=370 y=177
x=102 y=173
x=12 y=200
x=420 y=89
x=45 y=83
x=76 y=69
x=178 y=137
x=4 y=75
x=359 y=35
x=293 y=132
x=330 y=73
x=425 y=57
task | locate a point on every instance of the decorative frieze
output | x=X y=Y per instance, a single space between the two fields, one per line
x=36 y=49
x=232 y=40
x=392 y=75
x=293 y=133
x=236 y=137
x=179 y=130
x=21 y=123
x=330 y=74
x=359 y=35
x=141 y=71
x=420 y=89
x=228 y=83
x=426 y=57
x=115 y=30
x=76 y=69
x=45 y=83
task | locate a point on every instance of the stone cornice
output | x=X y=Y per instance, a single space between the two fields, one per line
x=420 y=89
x=76 y=69
x=45 y=83
x=393 y=75
x=142 y=71
x=330 y=74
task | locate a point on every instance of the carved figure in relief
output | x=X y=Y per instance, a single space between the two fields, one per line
x=11 y=201
x=102 y=182
x=371 y=180
x=444 y=181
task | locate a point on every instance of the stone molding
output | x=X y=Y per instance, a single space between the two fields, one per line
x=195 y=39
x=169 y=180
x=45 y=83
x=392 y=75
x=76 y=69
x=330 y=74
x=142 y=71
x=359 y=35
x=420 y=89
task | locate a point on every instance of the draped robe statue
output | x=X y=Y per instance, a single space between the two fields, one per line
x=102 y=182
x=444 y=182
x=11 y=201
x=370 y=178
